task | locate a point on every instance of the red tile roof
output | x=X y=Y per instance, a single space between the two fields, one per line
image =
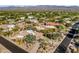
x=52 y=24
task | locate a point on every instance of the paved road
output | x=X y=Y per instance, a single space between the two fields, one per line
x=11 y=46
x=4 y=49
x=64 y=44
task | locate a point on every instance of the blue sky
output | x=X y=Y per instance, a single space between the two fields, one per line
x=40 y=2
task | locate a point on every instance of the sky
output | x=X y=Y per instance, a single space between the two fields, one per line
x=40 y=2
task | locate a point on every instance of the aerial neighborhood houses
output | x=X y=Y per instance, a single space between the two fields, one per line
x=37 y=31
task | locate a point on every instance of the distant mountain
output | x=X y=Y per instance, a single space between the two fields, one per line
x=40 y=8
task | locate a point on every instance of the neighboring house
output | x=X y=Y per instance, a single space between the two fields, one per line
x=8 y=27
x=40 y=28
x=32 y=19
x=67 y=19
x=22 y=18
x=11 y=26
x=31 y=32
x=51 y=24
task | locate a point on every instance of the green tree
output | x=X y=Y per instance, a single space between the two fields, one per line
x=29 y=38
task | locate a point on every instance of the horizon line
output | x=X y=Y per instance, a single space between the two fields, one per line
x=36 y=5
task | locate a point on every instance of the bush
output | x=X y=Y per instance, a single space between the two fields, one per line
x=53 y=35
x=29 y=38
